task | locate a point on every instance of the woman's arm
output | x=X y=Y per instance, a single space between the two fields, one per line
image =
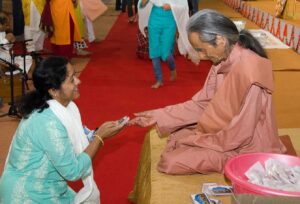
x=106 y=130
x=56 y=145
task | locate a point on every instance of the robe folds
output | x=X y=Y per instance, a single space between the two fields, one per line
x=39 y=4
x=61 y=12
x=93 y=8
x=232 y=114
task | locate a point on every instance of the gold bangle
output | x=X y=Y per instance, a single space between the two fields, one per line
x=100 y=139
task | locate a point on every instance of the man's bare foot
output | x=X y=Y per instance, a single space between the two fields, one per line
x=157 y=85
x=173 y=75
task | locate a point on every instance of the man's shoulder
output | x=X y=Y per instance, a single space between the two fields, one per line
x=256 y=69
x=252 y=57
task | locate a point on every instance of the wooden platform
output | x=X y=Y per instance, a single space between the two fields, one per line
x=220 y=6
x=269 y=6
x=153 y=187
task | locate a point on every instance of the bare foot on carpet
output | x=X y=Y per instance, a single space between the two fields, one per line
x=157 y=85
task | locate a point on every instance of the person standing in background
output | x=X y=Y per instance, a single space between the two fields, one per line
x=18 y=18
x=32 y=10
x=91 y=10
x=129 y=3
x=6 y=37
x=194 y=6
x=118 y=5
x=80 y=46
x=65 y=27
x=86 y=12
x=164 y=18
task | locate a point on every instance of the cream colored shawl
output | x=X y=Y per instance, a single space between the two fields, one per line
x=71 y=119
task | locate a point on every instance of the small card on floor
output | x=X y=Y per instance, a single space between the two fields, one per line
x=216 y=189
x=200 y=198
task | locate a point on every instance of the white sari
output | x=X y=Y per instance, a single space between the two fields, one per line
x=71 y=119
x=180 y=12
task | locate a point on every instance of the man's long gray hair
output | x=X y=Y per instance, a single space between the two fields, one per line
x=209 y=24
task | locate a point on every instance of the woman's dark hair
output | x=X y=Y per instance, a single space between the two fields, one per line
x=209 y=23
x=50 y=73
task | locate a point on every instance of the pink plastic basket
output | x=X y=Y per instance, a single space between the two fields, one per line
x=237 y=166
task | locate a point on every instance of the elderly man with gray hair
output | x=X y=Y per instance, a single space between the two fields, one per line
x=232 y=114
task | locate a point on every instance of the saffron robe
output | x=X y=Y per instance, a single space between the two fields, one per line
x=62 y=11
x=231 y=115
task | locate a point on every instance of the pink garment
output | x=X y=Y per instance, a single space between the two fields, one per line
x=93 y=8
x=231 y=115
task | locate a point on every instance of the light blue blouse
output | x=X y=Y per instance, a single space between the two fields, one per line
x=40 y=163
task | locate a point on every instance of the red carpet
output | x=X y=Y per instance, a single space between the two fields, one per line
x=116 y=83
